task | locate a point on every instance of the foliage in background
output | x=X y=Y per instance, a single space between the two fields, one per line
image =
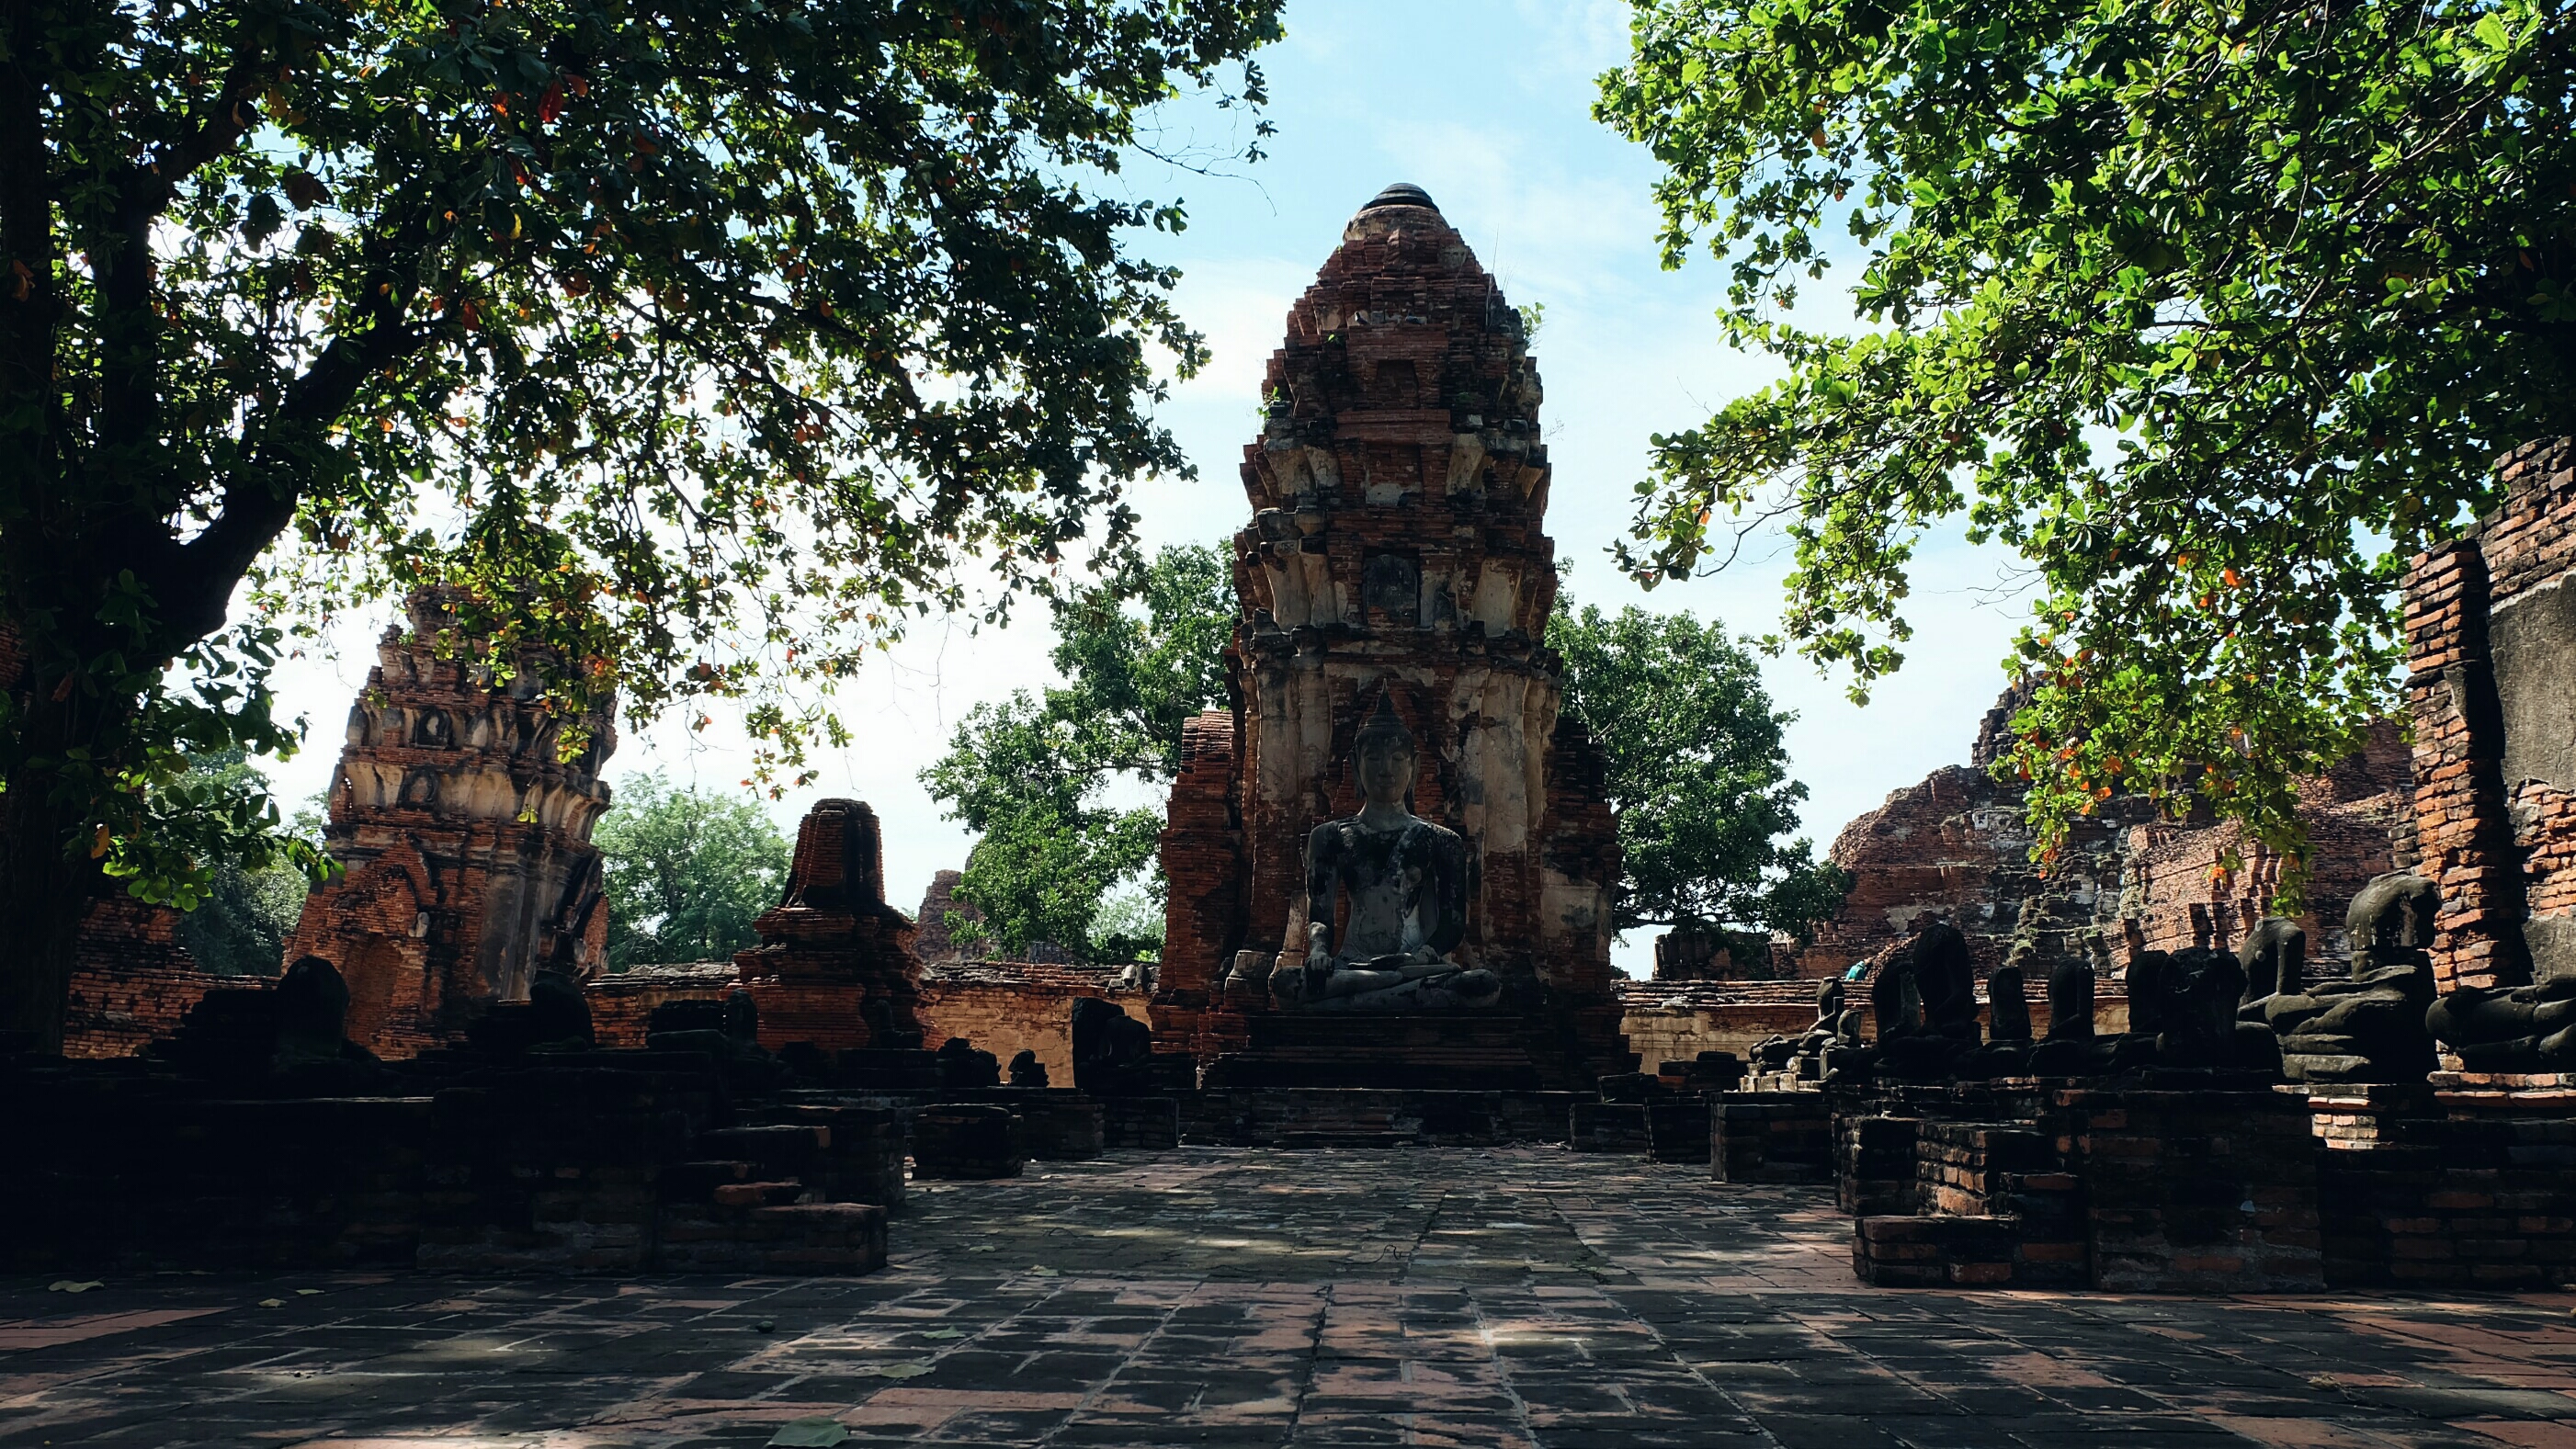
x=252 y=898
x=1139 y=654
x=1698 y=773
x=2214 y=313
x=688 y=870
x=726 y=330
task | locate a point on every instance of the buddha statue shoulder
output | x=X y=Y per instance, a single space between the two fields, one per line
x=1405 y=882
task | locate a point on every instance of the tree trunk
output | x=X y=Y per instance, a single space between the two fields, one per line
x=45 y=895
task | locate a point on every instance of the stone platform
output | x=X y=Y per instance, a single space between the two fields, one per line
x=1525 y=1298
x=1372 y=1117
x=1467 y=1051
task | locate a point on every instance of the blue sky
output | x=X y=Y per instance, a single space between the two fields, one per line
x=1488 y=107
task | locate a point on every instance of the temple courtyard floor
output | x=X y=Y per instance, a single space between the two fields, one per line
x=1484 y=1298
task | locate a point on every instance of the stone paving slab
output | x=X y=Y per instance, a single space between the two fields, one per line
x=1526 y=1298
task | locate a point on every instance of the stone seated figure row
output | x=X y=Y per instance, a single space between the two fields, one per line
x=2254 y=1010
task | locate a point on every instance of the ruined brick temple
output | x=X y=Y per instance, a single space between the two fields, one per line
x=466 y=839
x=1395 y=554
x=2491 y=645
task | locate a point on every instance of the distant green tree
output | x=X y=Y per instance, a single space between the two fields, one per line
x=1698 y=773
x=1140 y=654
x=688 y=871
x=240 y=923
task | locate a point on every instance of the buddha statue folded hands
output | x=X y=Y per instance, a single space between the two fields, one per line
x=1405 y=880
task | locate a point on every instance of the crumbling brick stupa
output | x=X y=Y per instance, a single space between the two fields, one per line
x=1395 y=558
x=833 y=954
x=466 y=840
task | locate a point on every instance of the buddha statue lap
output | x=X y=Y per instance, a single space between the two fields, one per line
x=1405 y=879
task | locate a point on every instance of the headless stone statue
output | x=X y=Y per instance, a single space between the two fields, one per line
x=2070 y=1050
x=1777 y=1052
x=2195 y=995
x=2070 y=1002
x=2502 y=1028
x=2369 y=1028
x=1406 y=883
x=2009 y=1012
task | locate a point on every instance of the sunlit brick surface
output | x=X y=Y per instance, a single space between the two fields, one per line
x=1512 y=1297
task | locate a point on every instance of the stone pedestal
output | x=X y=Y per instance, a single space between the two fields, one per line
x=973 y=1142
x=1461 y=1051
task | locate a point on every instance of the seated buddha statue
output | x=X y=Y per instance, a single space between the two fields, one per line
x=1405 y=880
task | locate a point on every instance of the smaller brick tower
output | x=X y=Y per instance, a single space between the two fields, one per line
x=466 y=840
x=833 y=945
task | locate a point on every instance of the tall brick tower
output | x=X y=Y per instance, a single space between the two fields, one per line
x=1398 y=490
x=466 y=837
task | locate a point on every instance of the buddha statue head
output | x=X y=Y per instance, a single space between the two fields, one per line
x=1384 y=756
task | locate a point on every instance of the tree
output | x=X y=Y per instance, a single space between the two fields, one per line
x=1140 y=654
x=687 y=872
x=250 y=906
x=2215 y=314
x=693 y=342
x=1698 y=773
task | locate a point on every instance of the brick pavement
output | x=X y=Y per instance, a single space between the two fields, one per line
x=1526 y=1297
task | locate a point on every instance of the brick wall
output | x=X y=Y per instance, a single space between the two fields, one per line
x=1009 y=1007
x=132 y=980
x=621 y=1002
x=1204 y=875
x=2182 y=892
x=2488 y=635
x=1668 y=1021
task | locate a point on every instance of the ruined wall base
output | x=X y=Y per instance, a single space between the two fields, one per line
x=1453 y=1051
x=608 y=1162
x=2454 y=1184
x=2450 y=1186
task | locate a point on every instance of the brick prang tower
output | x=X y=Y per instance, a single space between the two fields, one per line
x=1398 y=491
x=466 y=838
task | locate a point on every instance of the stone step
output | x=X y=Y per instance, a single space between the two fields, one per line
x=1346 y=1139
x=698 y=1181
x=761 y=1194
x=779 y=1150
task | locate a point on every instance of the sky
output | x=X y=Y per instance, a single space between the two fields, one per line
x=1487 y=105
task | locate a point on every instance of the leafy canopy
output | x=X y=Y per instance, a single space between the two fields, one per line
x=1034 y=775
x=251 y=902
x=1140 y=654
x=699 y=339
x=2214 y=313
x=688 y=870
x=1698 y=774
